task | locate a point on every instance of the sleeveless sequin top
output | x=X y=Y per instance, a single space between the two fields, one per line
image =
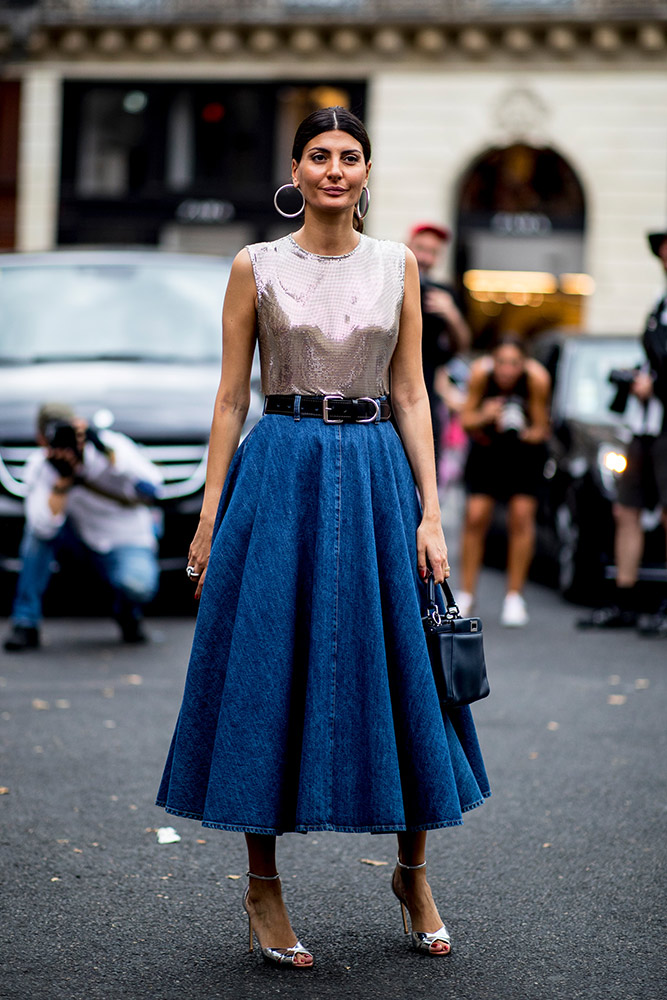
x=328 y=324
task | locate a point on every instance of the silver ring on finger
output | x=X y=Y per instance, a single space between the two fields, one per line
x=192 y=573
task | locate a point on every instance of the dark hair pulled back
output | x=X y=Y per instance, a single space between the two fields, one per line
x=510 y=339
x=335 y=119
x=330 y=120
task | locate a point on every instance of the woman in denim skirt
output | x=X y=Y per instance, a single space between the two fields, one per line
x=310 y=702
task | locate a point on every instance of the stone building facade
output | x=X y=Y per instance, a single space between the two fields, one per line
x=535 y=129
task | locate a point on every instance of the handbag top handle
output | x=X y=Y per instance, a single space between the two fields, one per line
x=450 y=603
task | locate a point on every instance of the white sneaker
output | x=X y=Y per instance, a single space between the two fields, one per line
x=514 y=613
x=464 y=603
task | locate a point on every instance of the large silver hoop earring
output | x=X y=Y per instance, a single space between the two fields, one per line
x=362 y=215
x=288 y=215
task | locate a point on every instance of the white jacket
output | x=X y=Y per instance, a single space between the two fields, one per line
x=102 y=523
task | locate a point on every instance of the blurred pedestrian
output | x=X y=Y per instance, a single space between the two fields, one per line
x=445 y=332
x=506 y=414
x=309 y=701
x=451 y=386
x=87 y=492
x=644 y=482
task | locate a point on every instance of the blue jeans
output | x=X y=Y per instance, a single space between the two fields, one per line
x=131 y=571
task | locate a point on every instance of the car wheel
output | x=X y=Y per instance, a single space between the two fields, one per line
x=581 y=555
x=567 y=532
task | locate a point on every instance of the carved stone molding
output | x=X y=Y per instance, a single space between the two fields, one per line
x=187 y=42
x=562 y=40
x=346 y=42
x=431 y=41
x=607 y=40
x=73 y=42
x=474 y=42
x=148 y=42
x=389 y=42
x=369 y=44
x=110 y=42
x=651 y=37
x=224 y=42
x=520 y=115
x=519 y=41
x=305 y=42
x=263 y=41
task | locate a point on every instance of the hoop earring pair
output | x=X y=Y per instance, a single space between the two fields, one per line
x=362 y=215
x=292 y=215
x=288 y=215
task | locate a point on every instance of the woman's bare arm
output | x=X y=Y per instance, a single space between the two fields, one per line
x=539 y=392
x=411 y=408
x=478 y=412
x=239 y=319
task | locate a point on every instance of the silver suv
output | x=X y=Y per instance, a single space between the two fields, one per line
x=132 y=340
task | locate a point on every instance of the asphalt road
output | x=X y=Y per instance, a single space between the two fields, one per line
x=554 y=889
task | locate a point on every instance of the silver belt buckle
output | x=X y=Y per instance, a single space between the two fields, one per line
x=368 y=420
x=325 y=409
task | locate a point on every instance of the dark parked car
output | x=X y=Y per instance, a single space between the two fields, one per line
x=131 y=339
x=588 y=449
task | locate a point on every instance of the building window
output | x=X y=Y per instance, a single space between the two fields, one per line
x=139 y=159
x=111 y=160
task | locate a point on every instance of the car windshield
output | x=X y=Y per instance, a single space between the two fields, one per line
x=588 y=392
x=126 y=311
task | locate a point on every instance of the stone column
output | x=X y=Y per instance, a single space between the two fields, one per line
x=39 y=159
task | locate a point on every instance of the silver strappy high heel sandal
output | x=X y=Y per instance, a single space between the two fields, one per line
x=279 y=956
x=422 y=941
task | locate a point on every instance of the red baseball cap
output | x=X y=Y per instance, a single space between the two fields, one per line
x=443 y=232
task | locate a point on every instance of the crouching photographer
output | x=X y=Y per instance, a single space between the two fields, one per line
x=90 y=493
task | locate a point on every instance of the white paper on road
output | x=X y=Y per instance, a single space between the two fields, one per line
x=167 y=835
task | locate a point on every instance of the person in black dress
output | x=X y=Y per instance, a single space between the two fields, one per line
x=506 y=413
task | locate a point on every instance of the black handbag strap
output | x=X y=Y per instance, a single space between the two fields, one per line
x=450 y=604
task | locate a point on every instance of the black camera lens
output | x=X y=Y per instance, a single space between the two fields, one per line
x=60 y=434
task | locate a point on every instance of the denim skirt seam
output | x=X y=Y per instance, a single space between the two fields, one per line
x=475 y=805
x=328 y=827
x=317 y=827
x=177 y=812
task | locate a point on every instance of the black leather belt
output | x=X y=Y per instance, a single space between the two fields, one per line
x=331 y=409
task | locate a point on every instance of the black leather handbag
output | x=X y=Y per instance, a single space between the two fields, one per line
x=456 y=649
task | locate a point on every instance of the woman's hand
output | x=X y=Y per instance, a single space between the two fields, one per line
x=642 y=386
x=432 y=550
x=490 y=410
x=534 y=435
x=440 y=302
x=198 y=556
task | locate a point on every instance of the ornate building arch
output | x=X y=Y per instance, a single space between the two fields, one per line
x=521 y=219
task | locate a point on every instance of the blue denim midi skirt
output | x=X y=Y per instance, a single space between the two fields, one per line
x=309 y=701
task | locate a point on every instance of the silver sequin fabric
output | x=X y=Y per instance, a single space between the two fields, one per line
x=328 y=324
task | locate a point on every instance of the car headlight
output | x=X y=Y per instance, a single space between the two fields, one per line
x=615 y=461
x=612 y=463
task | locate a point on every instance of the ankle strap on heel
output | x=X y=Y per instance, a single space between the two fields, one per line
x=410 y=868
x=263 y=878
